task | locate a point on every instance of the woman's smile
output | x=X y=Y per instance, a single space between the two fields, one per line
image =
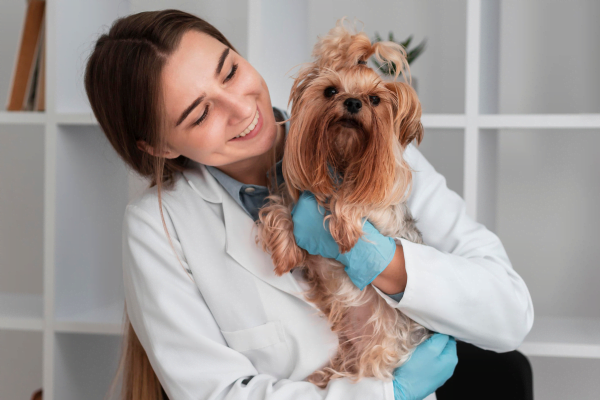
x=252 y=129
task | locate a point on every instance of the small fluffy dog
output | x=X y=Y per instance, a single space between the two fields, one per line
x=345 y=119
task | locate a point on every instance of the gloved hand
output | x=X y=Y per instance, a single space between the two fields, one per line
x=429 y=367
x=363 y=262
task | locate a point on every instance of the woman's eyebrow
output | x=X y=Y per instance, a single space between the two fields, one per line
x=221 y=62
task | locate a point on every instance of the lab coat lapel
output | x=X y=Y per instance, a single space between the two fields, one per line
x=241 y=232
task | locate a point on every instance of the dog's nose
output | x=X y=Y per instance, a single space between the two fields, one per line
x=353 y=105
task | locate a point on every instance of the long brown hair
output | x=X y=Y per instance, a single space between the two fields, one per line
x=123 y=85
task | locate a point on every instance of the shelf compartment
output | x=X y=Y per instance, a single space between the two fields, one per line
x=75 y=38
x=22 y=359
x=84 y=365
x=547 y=219
x=92 y=189
x=21 y=226
x=534 y=77
x=444 y=149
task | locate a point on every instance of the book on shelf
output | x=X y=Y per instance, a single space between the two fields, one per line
x=28 y=79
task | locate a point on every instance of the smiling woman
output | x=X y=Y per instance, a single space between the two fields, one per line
x=196 y=101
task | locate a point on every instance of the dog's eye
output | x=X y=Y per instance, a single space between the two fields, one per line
x=374 y=100
x=330 y=91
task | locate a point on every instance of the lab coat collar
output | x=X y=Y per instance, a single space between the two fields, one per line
x=203 y=182
x=240 y=232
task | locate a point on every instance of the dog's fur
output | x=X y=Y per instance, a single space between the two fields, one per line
x=365 y=149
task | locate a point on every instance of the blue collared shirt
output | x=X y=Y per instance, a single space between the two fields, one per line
x=252 y=197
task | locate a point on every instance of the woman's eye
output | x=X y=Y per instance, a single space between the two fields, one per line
x=203 y=117
x=374 y=100
x=330 y=91
x=232 y=73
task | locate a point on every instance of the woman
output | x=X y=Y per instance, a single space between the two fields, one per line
x=181 y=107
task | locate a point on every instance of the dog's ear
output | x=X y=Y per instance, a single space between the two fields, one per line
x=305 y=76
x=407 y=113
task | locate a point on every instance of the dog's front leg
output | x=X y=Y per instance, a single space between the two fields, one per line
x=276 y=235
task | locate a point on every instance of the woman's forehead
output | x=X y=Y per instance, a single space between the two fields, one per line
x=197 y=52
x=190 y=70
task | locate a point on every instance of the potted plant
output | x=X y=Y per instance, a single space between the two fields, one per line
x=388 y=70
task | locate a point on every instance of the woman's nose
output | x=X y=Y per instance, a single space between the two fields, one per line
x=241 y=108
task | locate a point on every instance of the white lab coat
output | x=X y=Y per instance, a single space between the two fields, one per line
x=237 y=319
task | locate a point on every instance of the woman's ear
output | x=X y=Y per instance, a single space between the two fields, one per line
x=145 y=147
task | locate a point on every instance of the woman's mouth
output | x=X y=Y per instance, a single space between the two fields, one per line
x=252 y=129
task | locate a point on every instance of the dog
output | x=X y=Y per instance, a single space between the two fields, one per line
x=347 y=122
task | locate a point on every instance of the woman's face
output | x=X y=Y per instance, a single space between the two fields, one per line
x=213 y=95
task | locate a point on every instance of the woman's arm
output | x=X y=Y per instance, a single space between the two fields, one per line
x=460 y=281
x=181 y=337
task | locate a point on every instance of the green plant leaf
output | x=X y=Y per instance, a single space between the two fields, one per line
x=416 y=52
x=389 y=68
x=406 y=43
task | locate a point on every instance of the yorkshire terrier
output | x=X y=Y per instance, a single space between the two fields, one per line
x=349 y=123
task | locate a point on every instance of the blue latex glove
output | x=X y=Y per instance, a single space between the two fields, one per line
x=363 y=262
x=429 y=367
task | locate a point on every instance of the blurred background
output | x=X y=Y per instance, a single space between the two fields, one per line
x=510 y=92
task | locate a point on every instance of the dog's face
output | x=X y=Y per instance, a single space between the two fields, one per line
x=353 y=111
x=347 y=121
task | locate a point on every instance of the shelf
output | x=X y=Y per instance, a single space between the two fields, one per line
x=20 y=311
x=101 y=320
x=76 y=119
x=513 y=121
x=563 y=337
x=443 y=120
x=539 y=121
x=486 y=121
x=22 y=117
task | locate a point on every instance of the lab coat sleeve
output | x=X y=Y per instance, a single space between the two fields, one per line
x=181 y=337
x=460 y=281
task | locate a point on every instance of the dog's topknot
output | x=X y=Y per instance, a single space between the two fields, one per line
x=344 y=46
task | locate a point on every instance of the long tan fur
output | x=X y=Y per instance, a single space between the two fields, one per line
x=353 y=163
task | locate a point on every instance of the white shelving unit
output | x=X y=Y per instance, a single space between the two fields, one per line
x=79 y=309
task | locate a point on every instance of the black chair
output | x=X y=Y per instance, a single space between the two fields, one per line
x=484 y=374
